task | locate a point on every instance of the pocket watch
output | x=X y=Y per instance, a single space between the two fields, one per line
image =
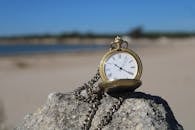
x=120 y=68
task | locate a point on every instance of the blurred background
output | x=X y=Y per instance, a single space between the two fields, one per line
x=55 y=46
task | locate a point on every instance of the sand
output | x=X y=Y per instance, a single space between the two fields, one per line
x=25 y=81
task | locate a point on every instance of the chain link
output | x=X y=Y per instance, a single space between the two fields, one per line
x=91 y=112
x=93 y=97
x=89 y=86
x=108 y=117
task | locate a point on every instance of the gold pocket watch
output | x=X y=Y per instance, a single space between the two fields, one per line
x=120 y=68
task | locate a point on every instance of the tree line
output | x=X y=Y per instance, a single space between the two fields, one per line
x=134 y=33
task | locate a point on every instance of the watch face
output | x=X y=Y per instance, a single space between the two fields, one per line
x=121 y=65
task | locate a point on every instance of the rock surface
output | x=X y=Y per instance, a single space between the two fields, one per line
x=139 y=111
x=2 y=117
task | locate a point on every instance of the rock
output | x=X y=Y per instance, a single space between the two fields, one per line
x=139 y=111
x=2 y=117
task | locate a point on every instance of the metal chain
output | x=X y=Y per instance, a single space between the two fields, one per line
x=89 y=86
x=92 y=111
x=108 y=117
x=93 y=97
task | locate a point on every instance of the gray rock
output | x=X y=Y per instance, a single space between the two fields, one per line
x=139 y=111
x=2 y=117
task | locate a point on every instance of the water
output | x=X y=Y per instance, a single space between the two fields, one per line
x=21 y=49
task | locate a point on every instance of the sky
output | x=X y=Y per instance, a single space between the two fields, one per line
x=22 y=17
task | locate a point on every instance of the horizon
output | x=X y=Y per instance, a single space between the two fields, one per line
x=98 y=33
x=98 y=17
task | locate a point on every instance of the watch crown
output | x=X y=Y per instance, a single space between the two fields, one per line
x=117 y=43
x=117 y=39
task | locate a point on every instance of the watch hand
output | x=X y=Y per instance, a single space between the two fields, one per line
x=118 y=66
x=123 y=69
x=127 y=71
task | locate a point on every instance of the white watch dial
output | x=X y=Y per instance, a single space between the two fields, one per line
x=121 y=65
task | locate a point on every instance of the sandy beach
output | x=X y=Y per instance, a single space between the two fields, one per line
x=25 y=81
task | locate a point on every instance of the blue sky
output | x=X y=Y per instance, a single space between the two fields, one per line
x=100 y=16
